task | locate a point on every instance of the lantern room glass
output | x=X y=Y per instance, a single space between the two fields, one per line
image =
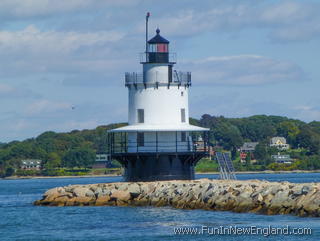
x=158 y=48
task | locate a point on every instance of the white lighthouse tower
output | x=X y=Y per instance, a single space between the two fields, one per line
x=159 y=143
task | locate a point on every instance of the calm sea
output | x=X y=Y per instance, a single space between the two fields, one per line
x=20 y=220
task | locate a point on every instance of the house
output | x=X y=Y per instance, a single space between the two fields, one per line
x=248 y=146
x=201 y=145
x=247 y=149
x=284 y=159
x=30 y=164
x=102 y=161
x=279 y=142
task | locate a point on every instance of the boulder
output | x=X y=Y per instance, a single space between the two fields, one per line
x=102 y=200
x=134 y=190
x=121 y=195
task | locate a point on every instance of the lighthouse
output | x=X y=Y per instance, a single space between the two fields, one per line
x=158 y=143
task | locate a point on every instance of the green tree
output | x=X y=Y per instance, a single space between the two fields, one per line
x=289 y=130
x=309 y=139
x=9 y=171
x=227 y=135
x=79 y=158
x=248 y=158
x=260 y=152
x=53 y=161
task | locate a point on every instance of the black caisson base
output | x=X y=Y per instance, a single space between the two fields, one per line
x=157 y=167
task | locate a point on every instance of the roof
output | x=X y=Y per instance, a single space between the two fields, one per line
x=274 y=140
x=158 y=39
x=31 y=162
x=281 y=157
x=249 y=146
x=153 y=128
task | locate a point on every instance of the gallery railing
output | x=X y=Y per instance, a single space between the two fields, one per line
x=178 y=77
x=158 y=57
x=118 y=146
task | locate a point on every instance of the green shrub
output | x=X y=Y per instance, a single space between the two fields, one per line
x=27 y=172
x=206 y=165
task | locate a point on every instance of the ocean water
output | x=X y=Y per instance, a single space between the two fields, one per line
x=20 y=220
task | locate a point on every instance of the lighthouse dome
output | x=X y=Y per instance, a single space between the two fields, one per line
x=158 y=39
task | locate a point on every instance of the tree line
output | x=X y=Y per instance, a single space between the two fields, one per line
x=231 y=133
x=56 y=150
x=78 y=148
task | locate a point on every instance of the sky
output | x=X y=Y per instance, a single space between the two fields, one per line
x=62 y=63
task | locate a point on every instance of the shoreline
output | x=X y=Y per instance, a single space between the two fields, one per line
x=197 y=173
x=48 y=177
x=265 y=172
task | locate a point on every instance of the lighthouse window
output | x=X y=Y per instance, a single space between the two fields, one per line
x=183 y=115
x=152 y=48
x=158 y=48
x=140 y=139
x=140 y=115
x=162 y=48
x=181 y=93
x=183 y=136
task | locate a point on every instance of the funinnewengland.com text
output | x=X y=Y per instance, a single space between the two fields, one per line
x=242 y=230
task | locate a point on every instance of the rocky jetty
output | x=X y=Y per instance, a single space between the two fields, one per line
x=239 y=196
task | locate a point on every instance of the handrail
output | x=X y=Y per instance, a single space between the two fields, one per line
x=120 y=144
x=179 y=78
x=172 y=57
x=165 y=146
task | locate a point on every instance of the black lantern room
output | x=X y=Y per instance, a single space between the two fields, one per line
x=158 y=49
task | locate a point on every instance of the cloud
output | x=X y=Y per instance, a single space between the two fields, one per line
x=10 y=92
x=22 y=128
x=34 y=8
x=74 y=52
x=285 y=21
x=307 y=112
x=284 y=12
x=292 y=21
x=189 y=22
x=21 y=125
x=37 y=42
x=232 y=102
x=59 y=116
x=29 y=8
x=31 y=51
x=244 y=70
x=103 y=53
x=5 y=88
x=46 y=106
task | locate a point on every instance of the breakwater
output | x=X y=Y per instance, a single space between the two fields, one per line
x=239 y=196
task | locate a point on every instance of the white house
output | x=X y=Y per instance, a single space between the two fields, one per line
x=279 y=142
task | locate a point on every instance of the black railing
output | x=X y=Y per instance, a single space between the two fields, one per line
x=178 y=77
x=124 y=147
x=119 y=144
x=151 y=57
x=134 y=147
